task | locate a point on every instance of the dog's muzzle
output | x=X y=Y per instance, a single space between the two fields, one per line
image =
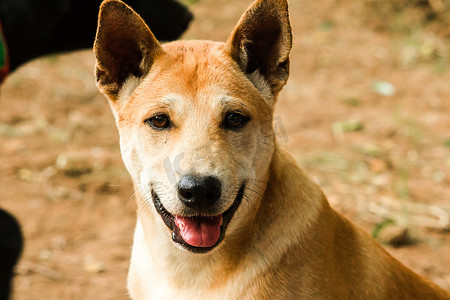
x=199 y=233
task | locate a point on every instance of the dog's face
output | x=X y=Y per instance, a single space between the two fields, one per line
x=195 y=118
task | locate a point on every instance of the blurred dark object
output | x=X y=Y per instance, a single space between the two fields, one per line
x=38 y=27
x=11 y=243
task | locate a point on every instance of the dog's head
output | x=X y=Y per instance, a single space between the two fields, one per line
x=195 y=117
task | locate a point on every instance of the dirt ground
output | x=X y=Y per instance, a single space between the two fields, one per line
x=366 y=113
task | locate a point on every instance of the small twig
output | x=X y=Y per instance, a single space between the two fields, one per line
x=26 y=267
x=418 y=214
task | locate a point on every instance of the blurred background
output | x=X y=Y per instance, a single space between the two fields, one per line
x=366 y=113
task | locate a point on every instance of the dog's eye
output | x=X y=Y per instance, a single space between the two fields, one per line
x=235 y=120
x=159 y=122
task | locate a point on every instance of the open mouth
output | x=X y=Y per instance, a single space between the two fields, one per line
x=198 y=234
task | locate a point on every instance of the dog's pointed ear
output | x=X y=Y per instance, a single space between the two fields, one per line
x=261 y=43
x=124 y=47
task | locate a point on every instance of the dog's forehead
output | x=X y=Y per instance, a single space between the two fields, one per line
x=199 y=69
x=195 y=48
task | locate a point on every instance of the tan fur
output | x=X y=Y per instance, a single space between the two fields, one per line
x=284 y=241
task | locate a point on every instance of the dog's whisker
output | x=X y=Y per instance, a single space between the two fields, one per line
x=144 y=204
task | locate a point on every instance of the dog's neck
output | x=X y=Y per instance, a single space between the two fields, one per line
x=283 y=190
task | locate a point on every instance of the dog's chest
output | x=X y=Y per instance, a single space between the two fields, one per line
x=153 y=286
x=145 y=285
x=154 y=276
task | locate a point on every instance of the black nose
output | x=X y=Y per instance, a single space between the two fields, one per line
x=199 y=192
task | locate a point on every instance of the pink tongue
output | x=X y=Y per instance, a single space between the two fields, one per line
x=199 y=231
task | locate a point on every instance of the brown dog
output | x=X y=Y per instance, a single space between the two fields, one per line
x=223 y=213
